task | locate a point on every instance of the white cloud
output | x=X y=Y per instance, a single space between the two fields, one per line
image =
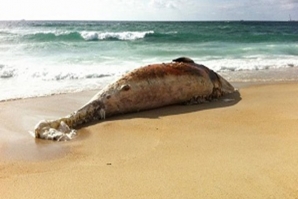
x=289 y=4
x=161 y=4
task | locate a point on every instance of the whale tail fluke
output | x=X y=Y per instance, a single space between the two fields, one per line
x=56 y=130
x=62 y=129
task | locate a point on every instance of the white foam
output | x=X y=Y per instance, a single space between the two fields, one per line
x=28 y=77
x=6 y=72
x=18 y=81
x=89 y=36
x=127 y=35
x=22 y=79
x=251 y=63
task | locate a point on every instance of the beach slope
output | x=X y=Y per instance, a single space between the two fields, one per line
x=241 y=147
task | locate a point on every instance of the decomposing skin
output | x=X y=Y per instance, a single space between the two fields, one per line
x=149 y=87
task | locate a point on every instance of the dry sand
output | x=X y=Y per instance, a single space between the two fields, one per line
x=246 y=148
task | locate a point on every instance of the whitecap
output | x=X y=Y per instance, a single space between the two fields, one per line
x=126 y=35
x=89 y=36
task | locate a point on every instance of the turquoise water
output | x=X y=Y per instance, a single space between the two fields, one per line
x=48 y=57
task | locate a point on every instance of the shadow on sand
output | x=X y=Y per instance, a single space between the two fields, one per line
x=225 y=101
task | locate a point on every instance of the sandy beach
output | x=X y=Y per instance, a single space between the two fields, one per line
x=241 y=146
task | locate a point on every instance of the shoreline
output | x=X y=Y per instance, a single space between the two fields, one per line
x=238 y=78
x=223 y=149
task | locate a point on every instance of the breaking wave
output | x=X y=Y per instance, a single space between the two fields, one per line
x=50 y=74
x=91 y=36
x=87 y=36
x=151 y=36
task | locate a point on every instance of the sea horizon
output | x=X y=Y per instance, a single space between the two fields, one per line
x=119 y=20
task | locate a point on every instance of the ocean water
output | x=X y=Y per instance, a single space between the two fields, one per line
x=48 y=57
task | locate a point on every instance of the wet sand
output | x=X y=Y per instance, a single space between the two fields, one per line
x=240 y=148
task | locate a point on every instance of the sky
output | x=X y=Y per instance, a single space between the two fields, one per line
x=152 y=10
